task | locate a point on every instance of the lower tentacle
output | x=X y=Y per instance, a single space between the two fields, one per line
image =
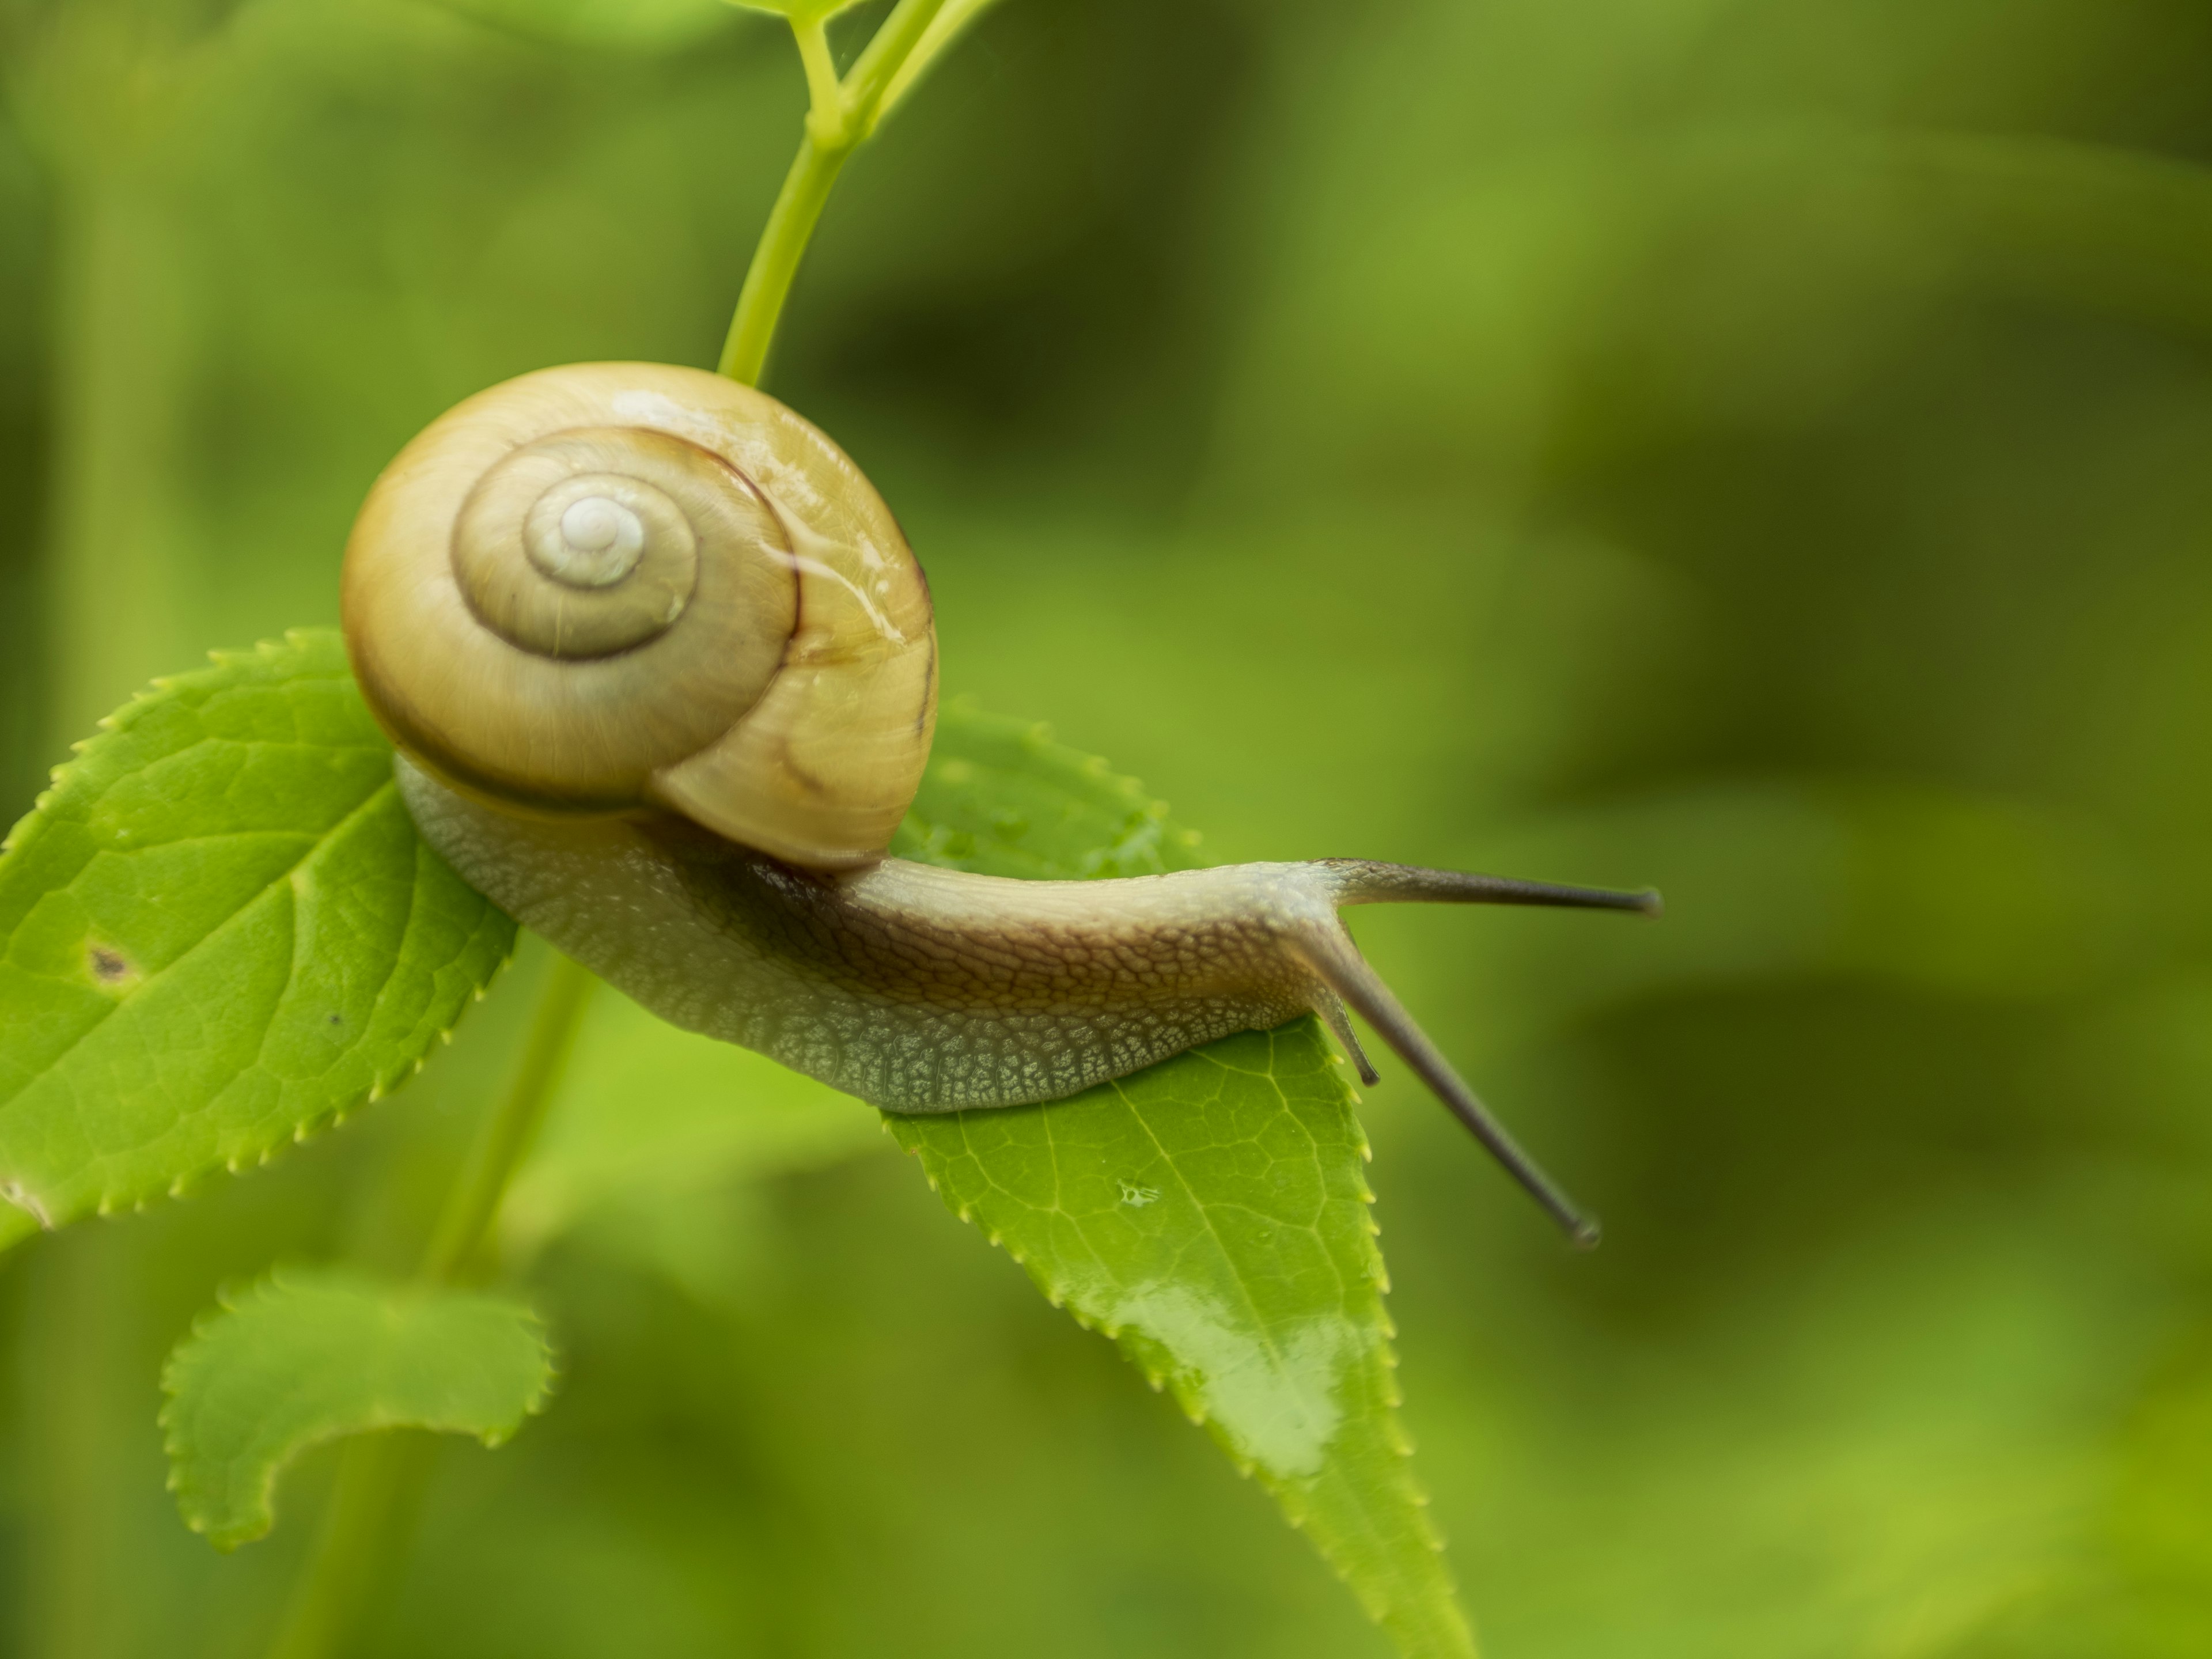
x=1327 y=949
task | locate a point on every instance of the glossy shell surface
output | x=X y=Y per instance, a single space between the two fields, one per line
x=617 y=585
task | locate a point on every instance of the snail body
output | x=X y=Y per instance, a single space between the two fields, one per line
x=917 y=989
x=662 y=673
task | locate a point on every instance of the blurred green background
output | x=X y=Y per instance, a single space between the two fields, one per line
x=1755 y=446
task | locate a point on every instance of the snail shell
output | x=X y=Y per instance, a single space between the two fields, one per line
x=623 y=585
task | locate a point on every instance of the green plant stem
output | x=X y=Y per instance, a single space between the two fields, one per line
x=841 y=116
x=950 y=22
x=373 y=1505
x=879 y=64
x=459 y=1247
x=821 y=65
x=380 y=1477
x=775 y=261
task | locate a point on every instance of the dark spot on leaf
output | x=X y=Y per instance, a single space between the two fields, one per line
x=338 y=1019
x=109 y=966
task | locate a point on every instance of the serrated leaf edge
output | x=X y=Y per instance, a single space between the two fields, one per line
x=231 y=1296
x=120 y=719
x=112 y=1202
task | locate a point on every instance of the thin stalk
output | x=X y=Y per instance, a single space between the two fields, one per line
x=876 y=66
x=380 y=1477
x=373 y=1505
x=821 y=66
x=943 y=29
x=458 y=1246
x=775 y=260
x=840 y=117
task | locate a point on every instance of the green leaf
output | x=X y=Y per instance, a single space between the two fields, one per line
x=1209 y=1214
x=1001 y=799
x=305 y=1356
x=219 y=932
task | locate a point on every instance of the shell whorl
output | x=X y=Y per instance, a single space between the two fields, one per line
x=617 y=585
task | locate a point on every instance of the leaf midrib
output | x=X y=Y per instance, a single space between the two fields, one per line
x=1235 y=1270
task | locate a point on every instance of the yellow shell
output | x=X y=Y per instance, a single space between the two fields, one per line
x=616 y=585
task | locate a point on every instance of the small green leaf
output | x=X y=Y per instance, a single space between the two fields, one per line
x=308 y=1355
x=1209 y=1214
x=219 y=932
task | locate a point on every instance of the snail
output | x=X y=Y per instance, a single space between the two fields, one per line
x=661 y=672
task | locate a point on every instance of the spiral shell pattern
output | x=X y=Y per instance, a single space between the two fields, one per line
x=615 y=586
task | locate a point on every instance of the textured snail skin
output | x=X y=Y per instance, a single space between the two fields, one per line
x=916 y=988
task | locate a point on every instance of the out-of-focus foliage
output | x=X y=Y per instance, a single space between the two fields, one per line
x=1753 y=448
